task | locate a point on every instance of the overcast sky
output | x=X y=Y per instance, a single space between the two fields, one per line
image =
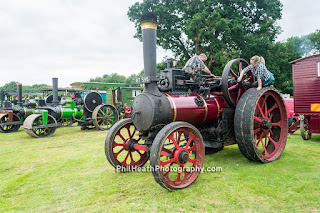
x=75 y=40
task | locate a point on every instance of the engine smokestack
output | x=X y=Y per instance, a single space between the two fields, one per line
x=19 y=92
x=55 y=100
x=149 y=26
x=1 y=98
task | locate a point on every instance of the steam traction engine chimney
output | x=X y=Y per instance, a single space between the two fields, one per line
x=151 y=107
x=1 y=98
x=19 y=91
x=55 y=101
x=149 y=26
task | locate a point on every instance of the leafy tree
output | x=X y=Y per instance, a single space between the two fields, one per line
x=112 y=78
x=277 y=61
x=36 y=88
x=315 y=40
x=222 y=29
x=306 y=45
x=9 y=87
x=12 y=87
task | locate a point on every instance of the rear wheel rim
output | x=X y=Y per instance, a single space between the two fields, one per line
x=268 y=128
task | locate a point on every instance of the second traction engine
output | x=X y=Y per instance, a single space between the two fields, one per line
x=182 y=115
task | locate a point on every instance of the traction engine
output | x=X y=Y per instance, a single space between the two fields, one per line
x=181 y=115
x=12 y=116
x=89 y=111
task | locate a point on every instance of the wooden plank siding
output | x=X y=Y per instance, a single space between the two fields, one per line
x=306 y=84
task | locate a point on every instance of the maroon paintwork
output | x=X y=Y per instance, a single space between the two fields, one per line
x=184 y=108
x=306 y=88
x=290 y=107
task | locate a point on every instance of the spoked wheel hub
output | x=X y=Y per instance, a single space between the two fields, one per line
x=266 y=124
x=182 y=156
x=106 y=118
x=128 y=145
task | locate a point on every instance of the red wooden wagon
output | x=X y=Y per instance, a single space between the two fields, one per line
x=306 y=93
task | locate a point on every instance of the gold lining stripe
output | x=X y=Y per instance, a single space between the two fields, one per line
x=174 y=107
x=148 y=25
x=218 y=107
x=205 y=104
x=61 y=112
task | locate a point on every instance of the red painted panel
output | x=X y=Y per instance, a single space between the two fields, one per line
x=315 y=124
x=306 y=84
x=184 y=108
x=289 y=106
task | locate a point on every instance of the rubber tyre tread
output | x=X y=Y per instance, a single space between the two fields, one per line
x=238 y=123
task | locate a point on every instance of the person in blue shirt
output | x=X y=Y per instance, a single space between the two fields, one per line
x=260 y=71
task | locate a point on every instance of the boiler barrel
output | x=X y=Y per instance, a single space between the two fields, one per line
x=67 y=112
x=194 y=109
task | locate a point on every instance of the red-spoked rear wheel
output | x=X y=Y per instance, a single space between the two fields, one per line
x=177 y=155
x=261 y=125
x=124 y=148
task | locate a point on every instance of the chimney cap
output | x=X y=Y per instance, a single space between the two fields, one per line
x=149 y=17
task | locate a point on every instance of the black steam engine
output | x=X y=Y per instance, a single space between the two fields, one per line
x=12 y=116
x=181 y=113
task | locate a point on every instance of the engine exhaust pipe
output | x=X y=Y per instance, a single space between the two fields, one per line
x=55 y=100
x=1 y=98
x=149 y=26
x=19 y=92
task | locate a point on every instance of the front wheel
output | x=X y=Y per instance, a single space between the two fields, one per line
x=124 y=148
x=33 y=126
x=305 y=128
x=177 y=155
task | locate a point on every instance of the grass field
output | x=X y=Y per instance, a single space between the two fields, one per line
x=69 y=172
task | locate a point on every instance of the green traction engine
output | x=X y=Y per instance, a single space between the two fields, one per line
x=88 y=112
